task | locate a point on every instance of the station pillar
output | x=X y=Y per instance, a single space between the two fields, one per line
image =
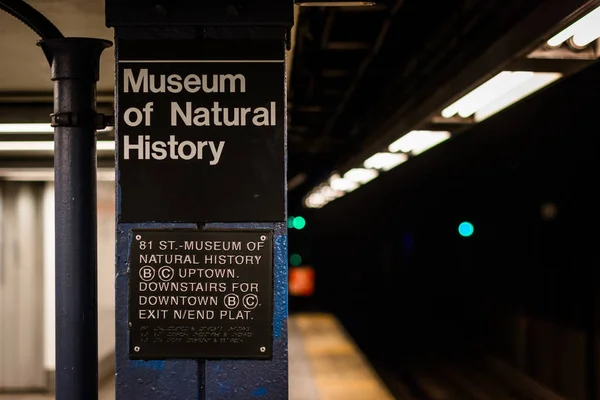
x=201 y=234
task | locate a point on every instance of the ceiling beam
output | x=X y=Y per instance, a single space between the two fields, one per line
x=335 y=73
x=517 y=43
x=373 y=8
x=327 y=28
x=290 y=53
x=366 y=62
x=351 y=45
x=565 y=66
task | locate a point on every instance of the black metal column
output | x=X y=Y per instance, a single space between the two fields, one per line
x=75 y=71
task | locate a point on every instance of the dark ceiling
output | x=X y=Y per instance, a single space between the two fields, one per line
x=358 y=70
x=359 y=75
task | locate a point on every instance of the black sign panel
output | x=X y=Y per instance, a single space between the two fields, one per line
x=201 y=294
x=200 y=130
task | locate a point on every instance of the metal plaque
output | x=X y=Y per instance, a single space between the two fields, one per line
x=201 y=294
x=200 y=130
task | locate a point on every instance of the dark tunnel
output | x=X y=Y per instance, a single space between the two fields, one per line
x=391 y=264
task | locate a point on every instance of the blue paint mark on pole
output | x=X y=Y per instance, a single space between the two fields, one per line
x=261 y=391
x=238 y=379
x=150 y=364
x=281 y=285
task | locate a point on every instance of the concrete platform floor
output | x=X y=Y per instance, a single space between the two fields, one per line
x=324 y=364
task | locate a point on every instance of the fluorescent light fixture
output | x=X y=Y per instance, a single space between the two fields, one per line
x=311 y=201
x=101 y=145
x=35 y=128
x=26 y=128
x=320 y=196
x=26 y=146
x=531 y=85
x=47 y=174
x=361 y=175
x=418 y=141
x=343 y=185
x=587 y=35
x=385 y=161
x=486 y=93
x=105 y=174
x=583 y=31
x=325 y=193
x=329 y=193
x=503 y=90
x=105 y=145
x=315 y=200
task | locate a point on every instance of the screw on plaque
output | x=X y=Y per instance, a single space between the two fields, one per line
x=138 y=237
x=263 y=238
x=136 y=348
x=263 y=349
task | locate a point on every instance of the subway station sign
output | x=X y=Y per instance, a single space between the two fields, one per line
x=200 y=131
x=201 y=294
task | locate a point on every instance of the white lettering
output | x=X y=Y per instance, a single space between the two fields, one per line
x=216 y=245
x=152 y=314
x=232 y=79
x=206 y=273
x=192 y=83
x=136 y=86
x=233 y=315
x=174 y=82
x=193 y=314
x=134 y=120
x=159 y=150
x=146 y=82
x=178 y=300
x=183 y=287
x=244 y=287
x=226 y=259
x=216 y=152
x=222 y=116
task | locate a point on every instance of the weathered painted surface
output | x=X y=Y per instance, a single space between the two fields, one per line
x=154 y=379
x=247 y=379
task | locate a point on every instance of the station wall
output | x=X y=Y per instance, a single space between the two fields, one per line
x=106 y=273
x=523 y=285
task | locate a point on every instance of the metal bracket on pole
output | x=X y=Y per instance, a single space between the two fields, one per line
x=73 y=119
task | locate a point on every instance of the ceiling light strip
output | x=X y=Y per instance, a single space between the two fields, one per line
x=413 y=143
x=501 y=91
x=24 y=146
x=34 y=128
x=584 y=30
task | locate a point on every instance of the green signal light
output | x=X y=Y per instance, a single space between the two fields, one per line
x=295 y=260
x=290 y=222
x=298 y=222
x=466 y=229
